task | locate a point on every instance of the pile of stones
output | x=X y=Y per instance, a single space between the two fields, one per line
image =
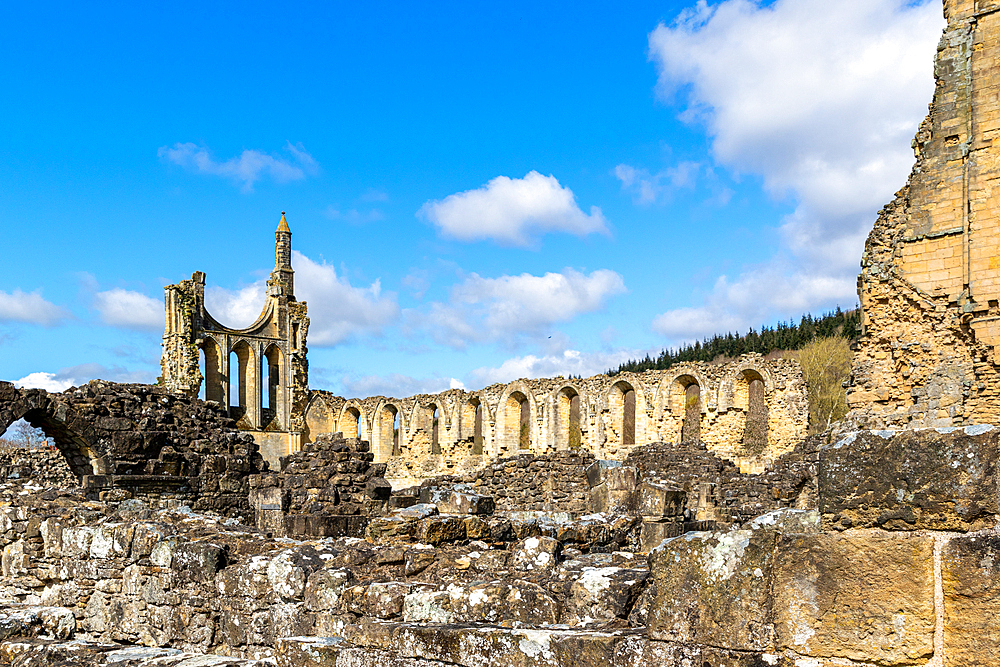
x=328 y=489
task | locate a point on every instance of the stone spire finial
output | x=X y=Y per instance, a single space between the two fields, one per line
x=283 y=225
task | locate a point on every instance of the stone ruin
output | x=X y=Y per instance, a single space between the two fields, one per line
x=930 y=274
x=628 y=520
x=751 y=409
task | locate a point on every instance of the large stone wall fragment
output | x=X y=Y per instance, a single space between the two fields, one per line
x=911 y=480
x=865 y=597
x=714 y=588
x=970 y=572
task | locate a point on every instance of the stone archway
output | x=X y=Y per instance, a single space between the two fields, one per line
x=74 y=437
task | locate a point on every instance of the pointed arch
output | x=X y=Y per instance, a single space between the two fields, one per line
x=273 y=361
x=568 y=417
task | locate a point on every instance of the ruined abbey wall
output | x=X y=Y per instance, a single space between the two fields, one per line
x=930 y=281
x=258 y=375
x=606 y=415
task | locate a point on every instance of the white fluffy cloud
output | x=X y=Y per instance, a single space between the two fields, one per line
x=247 y=168
x=75 y=376
x=397 y=385
x=30 y=307
x=131 y=310
x=819 y=98
x=647 y=188
x=238 y=308
x=502 y=309
x=750 y=301
x=569 y=362
x=513 y=211
x=337 y=310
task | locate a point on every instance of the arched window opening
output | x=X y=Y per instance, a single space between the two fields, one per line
x=516 y=422
x=477 y=434
x=212 y=372
x=575 y=432
x=240 y=371
x=273 y=398
x=267 y=397
x=203 y=367
x=568 y=434
x=351 y=428
x=233 y=383
x=628 y=418
x=388 y=433
x=396 y=450
x=755 y=432
x=691 y=428
x=524 y=441
x=435 y=438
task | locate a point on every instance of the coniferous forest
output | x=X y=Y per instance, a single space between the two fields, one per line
x=783 y=336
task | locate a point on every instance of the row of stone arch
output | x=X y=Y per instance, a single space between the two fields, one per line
x=247 y=380
x=606 y=415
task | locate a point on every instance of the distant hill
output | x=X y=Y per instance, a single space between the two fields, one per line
x=784 y=336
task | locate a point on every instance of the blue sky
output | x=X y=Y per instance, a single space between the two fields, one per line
x=476 y=193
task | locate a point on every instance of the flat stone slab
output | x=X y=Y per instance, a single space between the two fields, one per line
x=911 y=480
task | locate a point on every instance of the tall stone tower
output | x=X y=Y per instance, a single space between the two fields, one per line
x=930 y=275
x=260 y=374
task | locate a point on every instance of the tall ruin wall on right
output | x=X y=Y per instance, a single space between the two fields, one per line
x=930 y=281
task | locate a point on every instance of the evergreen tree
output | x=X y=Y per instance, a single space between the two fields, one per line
x=783 y=336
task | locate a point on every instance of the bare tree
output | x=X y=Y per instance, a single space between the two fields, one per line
x=24 y=435
x=826 y=365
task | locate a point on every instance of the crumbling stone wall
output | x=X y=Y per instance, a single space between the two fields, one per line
x=930 y=280
x=142 y=440
x=44 y=466
x=894 y=568
x=234 y=359
x=530 y=482
x=329 y=489
x=603 y=428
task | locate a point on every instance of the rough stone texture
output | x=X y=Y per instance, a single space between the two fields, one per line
x=971 y=585
x=42 y=465
x=317 y=488
x=715 y=488
x=51 y=653
x=139 y=440
x=715 y=589
x=866 y=597
x=527 y=482
x=930 y=277
x=911 y=480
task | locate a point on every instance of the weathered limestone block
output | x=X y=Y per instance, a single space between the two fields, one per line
x=416 y=561
x=866 y=597
x=715 y=589
x=787 y=521
x=395 y=644
x=308 y=651
x=385 y=600
x=461 y=502
x=970 y=572
x=440 y=529
x=659 y=500
x=417 y=511
x=602 y=594
x=197 y=561
x=428 y=606
x=654 y=532
x=911 y=480
x=324 y=588
x=536 y=553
